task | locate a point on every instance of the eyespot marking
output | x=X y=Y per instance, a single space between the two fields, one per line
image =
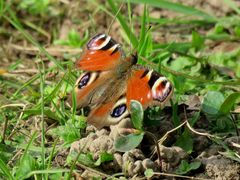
x=84 y=81
x=119 y=110
x=86 y=78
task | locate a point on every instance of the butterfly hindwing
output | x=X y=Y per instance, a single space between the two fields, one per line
x=148 y=87
x=110 y=113
x=89 y=88
x=102 y=53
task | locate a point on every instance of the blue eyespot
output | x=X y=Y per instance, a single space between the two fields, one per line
x=84 y=80
x=119 y=110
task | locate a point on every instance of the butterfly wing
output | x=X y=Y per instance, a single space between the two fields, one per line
x=104 y=95
x=89 y=88
x=148 y=87
x=102 y=53
x=110 y=113
x=144 y=85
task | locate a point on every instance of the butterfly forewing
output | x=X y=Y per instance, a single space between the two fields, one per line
x=103 y=53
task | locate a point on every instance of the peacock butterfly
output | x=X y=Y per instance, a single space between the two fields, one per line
x=111 y=80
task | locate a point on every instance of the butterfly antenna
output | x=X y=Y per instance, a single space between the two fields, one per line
x=110 y=26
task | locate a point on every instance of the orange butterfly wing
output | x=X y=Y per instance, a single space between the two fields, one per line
x=103 y=53
x=148 y=87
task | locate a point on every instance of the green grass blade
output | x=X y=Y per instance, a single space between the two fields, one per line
x=131 y=36
x=5 y=170
x=192 y=22
x=232 y=5
x=48 y=171
x=229 y=102
x=51 y=157
x=177 y=7
x=29 y=144
x=143 y=28
x=30 y=81
x=42 y=86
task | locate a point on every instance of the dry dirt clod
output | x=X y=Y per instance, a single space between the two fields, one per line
x=211 y=151
x=101 y=144
x=117 y=159
x=149 y=164
x=233 y=142
x=220 y=168
x=137 y=167
x=200 y=142
x=173 y=155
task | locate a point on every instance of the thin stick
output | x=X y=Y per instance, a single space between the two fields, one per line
x=180 y=176
x=19 y=118
x=169 y=132
x=158 y=148
x=93 y=170
x=200 y=133
x=110 y=25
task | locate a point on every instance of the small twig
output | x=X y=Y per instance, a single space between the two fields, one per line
x=15 y=156
x=93 y=170
x=169 y=132
x=11 y=105
x=180 y=176
x=194 y=131
x=115 y=175
x=19 y=118
x=6 y=119
x=200 y=133
x=158 y=148
x=235 y=145
x=55 y=51
x=48 y=128
x=24 y=71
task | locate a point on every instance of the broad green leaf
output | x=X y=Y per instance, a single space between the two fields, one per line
x=27 y=164
x=229 y=102
x=104 y=157
x=7 y=151
x=185 y=141
x=197 y=40
x=47 y=111
x=68 y=132
x=126 y=143
x=86 y=159
x=148 y=173
x=136 y=110
x=212 y=102
x=74 y=38
x=185 y=167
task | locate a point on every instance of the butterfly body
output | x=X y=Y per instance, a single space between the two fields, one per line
x=111 y=81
